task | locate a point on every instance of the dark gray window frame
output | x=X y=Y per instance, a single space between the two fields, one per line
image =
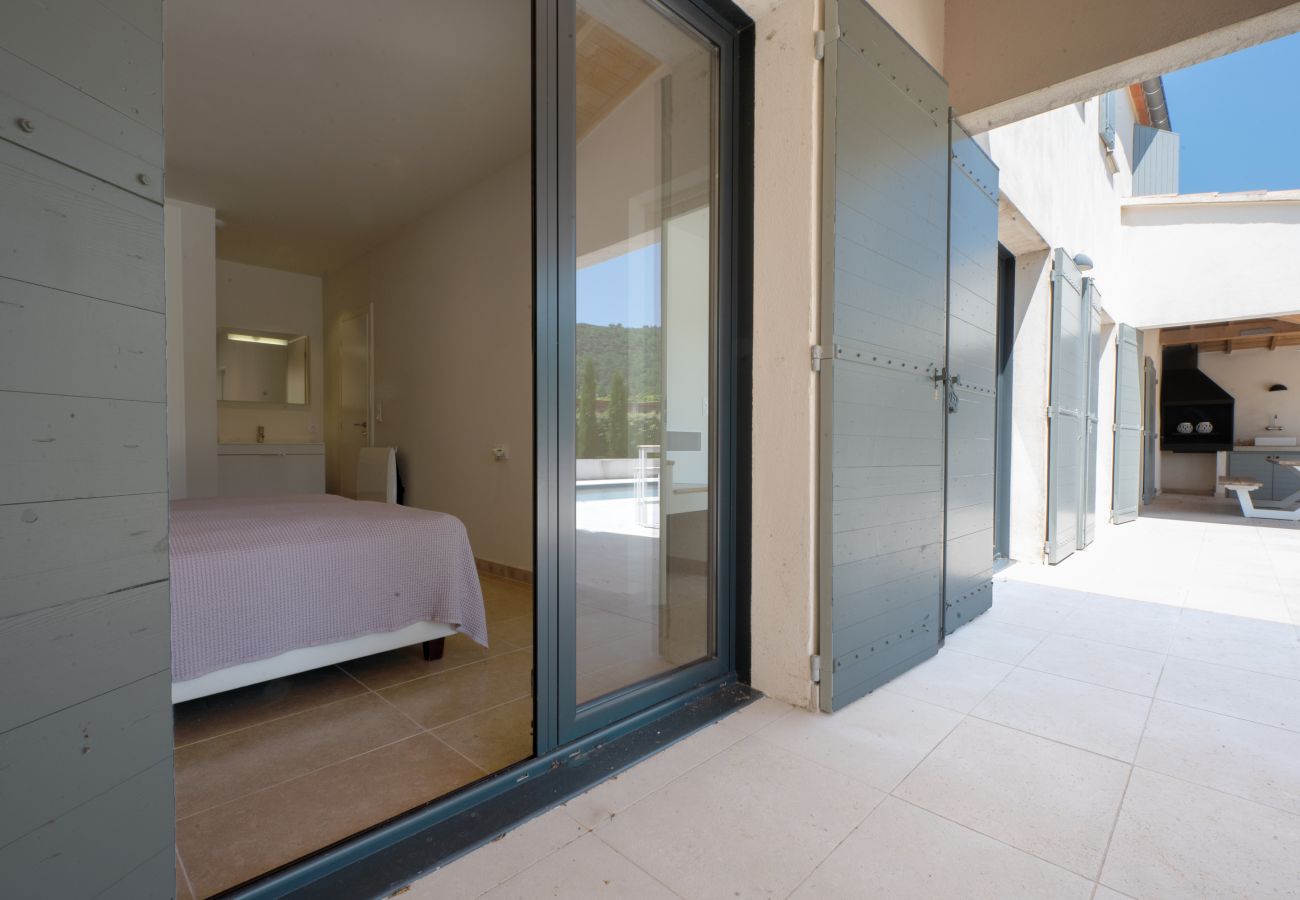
x=418 y=841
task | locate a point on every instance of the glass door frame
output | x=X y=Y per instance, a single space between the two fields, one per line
x=559 y=718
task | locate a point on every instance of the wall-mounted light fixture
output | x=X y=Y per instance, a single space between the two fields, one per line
x=1083 y=261
x=257 y=339
x=1277 y=387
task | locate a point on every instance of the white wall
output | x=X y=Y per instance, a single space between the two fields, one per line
x=1247 y=376
x=1211 y=257
x=452 y=296
x=261 y=299
x=1064 y=187
x=190 y=248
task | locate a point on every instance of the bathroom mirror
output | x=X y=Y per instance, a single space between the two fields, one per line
x=262 y=367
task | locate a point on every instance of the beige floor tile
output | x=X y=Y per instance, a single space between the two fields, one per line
x=407 y=663
x=1272 y=654
x=1137 y=633
x=758 y=714
x=612 y=796
x=1177 y=840
x=995 y=640
x=906 y=853
x=183 y=891
x=1254 y=696
x=1087 y=716
x=231 y=843
x=494 y=738
x=752 y=821
x=498 y=861
x=1257 y=762
x=215 y=771
x=208 y=717
x=504 y=599
x=1105 y=893
x=585 y=868
x=1053 y=801
x=1108 y=665
x=1036 y=611
x=957 y=681
x=876 y=740
x=517 y=631
x=439 y=699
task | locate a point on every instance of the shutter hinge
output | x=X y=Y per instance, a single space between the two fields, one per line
x=818 y=354
x=1051 y=411
x=1047 y=549
x=816 y=668
x=819 y=45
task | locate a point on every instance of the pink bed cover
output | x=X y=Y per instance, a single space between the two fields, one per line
x=253 y=577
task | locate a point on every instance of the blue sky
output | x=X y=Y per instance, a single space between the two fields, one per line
x=1239 y=118
x=623 y=290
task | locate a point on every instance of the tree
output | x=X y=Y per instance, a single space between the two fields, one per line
x=618 y=417
x=589 y=436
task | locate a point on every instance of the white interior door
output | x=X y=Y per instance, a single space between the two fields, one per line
x=356 y=397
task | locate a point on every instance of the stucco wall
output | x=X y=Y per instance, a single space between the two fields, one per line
x=452 y=298
x=1211 y=258
x=1056 y=173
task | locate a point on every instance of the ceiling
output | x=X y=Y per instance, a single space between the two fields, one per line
x=316 y=128
x=1243 y=334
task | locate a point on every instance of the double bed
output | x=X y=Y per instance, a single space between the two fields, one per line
x=264 y=587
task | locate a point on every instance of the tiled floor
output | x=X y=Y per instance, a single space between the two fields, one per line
x=1126 y=724
x=271 y=772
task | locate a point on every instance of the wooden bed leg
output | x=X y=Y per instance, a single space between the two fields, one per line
x=433 y=649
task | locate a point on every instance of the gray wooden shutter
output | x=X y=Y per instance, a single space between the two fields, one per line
x=972 y=368
x=85 y=703
x=884 y=249
x=1067 y=409
x=1128 y=426
x=1088 y=505
x=1149 y=434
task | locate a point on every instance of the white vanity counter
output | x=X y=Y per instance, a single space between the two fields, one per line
x=253 y=470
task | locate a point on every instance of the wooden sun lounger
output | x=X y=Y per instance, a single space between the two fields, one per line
x=1242 y=488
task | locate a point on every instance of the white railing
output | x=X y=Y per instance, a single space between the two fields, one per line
x=645 y=479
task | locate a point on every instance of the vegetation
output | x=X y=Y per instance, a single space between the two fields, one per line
x=618 y=390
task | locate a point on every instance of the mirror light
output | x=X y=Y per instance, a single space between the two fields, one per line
x=257 y=339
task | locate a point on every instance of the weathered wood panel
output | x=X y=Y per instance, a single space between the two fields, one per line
x=71 y=448
x=1127 y=463
x=86 y=804
x=91 y=48
x=97 y=844
x=972 y=366
x=58 y=657
x=884 y=262
x=119 y=350
x=54 y=764
x=65 y=124
x=1068 y=398
x=70 y=231
x=56 y=552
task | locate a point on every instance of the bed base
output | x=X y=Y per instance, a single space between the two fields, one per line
x=431 y=635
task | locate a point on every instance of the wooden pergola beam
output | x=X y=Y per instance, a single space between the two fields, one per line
x=1256 y=330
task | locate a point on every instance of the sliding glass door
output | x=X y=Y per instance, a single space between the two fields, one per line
x=645 y=339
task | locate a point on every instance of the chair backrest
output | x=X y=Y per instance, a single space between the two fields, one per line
x=377 y=474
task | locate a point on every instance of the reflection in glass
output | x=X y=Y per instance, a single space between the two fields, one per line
x=262 y=367
x=646 y=178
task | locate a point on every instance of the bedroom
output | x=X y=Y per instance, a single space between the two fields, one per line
x=345 y=275
x=349 y=251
